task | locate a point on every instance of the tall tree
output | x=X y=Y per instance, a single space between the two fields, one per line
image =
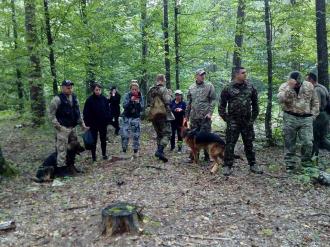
x=50 y=43
x=240 y=21
x=176 y=44
x=268 y=117
x=90 y=66
x=144 y=81
x=38 y=106
x=322 y=45
x=19 y=82
x=166 y=45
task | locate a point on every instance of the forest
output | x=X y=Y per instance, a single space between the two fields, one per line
x=113 y=42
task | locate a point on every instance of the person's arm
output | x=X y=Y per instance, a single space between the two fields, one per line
x=255 y=105
x=315 y=104
x=212 y=98
x=223 y=101
x=127 y=101
x=286 y=93
x=189 y=100
x=54 y=104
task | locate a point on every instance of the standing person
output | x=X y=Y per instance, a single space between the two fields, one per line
x=178 y=107
x=161 y=125
x=65 y=115
x=321 y=122
x=133 y=105
x=201 y=103
x=238 y=107
x=114 y=101
x=300 y=104
x=97 y=116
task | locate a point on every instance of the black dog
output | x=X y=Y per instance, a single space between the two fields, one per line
x=48 y=170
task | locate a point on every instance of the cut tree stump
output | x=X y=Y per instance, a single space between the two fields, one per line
x=119 y=218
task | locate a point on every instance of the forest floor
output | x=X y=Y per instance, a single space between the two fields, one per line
x=183 y=203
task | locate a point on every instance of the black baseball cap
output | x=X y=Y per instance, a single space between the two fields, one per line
x=67 y=83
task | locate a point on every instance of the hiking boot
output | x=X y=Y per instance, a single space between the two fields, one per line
x=160 y=153
x=179 y=149
x=254 y=168
x=105 y=157
x=227 y=170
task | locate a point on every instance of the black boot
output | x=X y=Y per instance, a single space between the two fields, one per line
x=160 y=153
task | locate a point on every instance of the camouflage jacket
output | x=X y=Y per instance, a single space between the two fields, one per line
x=201 y=100
x=239 y=102
x=323 y=95
x=162 y=92
x=54 y=105
x=305 y=102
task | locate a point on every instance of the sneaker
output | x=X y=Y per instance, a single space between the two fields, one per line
x=227 y=170
x=254 y=168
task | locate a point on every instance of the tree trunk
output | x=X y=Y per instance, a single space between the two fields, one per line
x=166 y=46
x=144 y=78
x=19 y=82
x=50 y=43
x=121 y=218
x=322 y=46
x=90 y=66
x=176 y=44
x=38 y=106
x=268 y=117
x=239 y=35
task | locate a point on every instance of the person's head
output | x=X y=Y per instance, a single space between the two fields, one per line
x=200 y=75
x=296 y=75
x=97 y=88
x=113 y=89
x=67 y=87
x=312 y=78
x=160 y=79
x=134 y=87
x=240 y=74
x=178 y=95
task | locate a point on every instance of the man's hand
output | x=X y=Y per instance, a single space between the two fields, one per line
x=178 y=109
x=84 y=127
x=209 y=116
x=292 y=83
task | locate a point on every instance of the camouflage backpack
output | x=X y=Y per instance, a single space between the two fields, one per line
x=157 y=109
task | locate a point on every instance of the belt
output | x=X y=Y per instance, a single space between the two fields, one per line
x=298 y=114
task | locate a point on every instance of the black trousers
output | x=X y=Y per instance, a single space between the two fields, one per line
x=176 y=129
x=102 y=130
x=115 y=123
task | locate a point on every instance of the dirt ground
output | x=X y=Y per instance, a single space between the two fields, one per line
x=183 y=203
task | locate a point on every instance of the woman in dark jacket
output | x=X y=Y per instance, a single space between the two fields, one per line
x=97 y=116
x=114 y=101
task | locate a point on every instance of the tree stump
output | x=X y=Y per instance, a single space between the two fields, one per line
x=121 y=218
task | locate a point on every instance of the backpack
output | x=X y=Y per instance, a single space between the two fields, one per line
x=157 y=109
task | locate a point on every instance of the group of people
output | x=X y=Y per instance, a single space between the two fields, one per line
x=304 y=103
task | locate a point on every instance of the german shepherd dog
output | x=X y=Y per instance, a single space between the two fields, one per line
x=198 y=140
x=49 y=169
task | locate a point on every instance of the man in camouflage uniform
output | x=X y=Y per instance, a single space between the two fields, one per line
x=238 y=106
x=162 y=126
x=300 y=105
x=65 y=115
x=321 y=122
x=200 y=105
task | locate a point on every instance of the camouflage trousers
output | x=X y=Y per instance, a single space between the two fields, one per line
x=320 y=131
x=163 y=131
x=63 y=137
x=303 y=128
x=130 y=127
x=234 y=129
x=203 y=124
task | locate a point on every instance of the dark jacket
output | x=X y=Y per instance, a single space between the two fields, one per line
x=96 y=111
x=131 y=108
x=178 y=115
x=114 y=102
x=239 y=102
x=68 y=115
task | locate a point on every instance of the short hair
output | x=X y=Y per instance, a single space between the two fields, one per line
x=312 y=76
x=296 y=75
x=95 y=84
x=237 y=69
x=160 y=77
